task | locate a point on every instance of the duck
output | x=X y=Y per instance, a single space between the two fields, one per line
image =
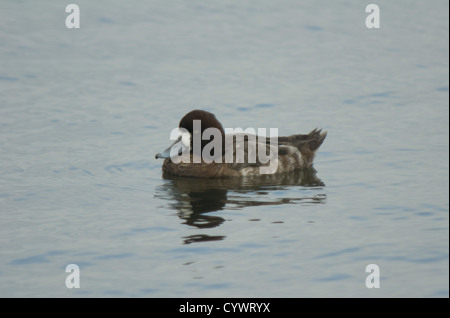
x=238 y=154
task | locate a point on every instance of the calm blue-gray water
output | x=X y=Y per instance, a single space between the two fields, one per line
x=83 y=111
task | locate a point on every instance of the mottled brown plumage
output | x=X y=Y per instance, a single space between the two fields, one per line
x=292 y=152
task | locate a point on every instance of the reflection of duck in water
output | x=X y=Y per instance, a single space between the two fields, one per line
x=236 y=155
x=193 y=198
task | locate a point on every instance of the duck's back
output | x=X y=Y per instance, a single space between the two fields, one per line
x=291 y=153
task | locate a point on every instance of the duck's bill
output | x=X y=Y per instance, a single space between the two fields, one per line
x=166 y=153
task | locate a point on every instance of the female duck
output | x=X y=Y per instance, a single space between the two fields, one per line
x=234 y=155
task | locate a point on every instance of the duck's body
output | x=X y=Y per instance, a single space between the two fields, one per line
x=288 y=154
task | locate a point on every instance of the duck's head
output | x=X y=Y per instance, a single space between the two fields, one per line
x=192 y=129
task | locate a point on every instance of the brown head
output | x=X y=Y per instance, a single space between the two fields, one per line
x=207 y=120
x=195 y=133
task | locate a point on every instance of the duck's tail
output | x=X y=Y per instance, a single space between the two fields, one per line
x=307 y=144
x=316 y=138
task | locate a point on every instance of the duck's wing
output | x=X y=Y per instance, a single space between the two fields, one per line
x=249 y=150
